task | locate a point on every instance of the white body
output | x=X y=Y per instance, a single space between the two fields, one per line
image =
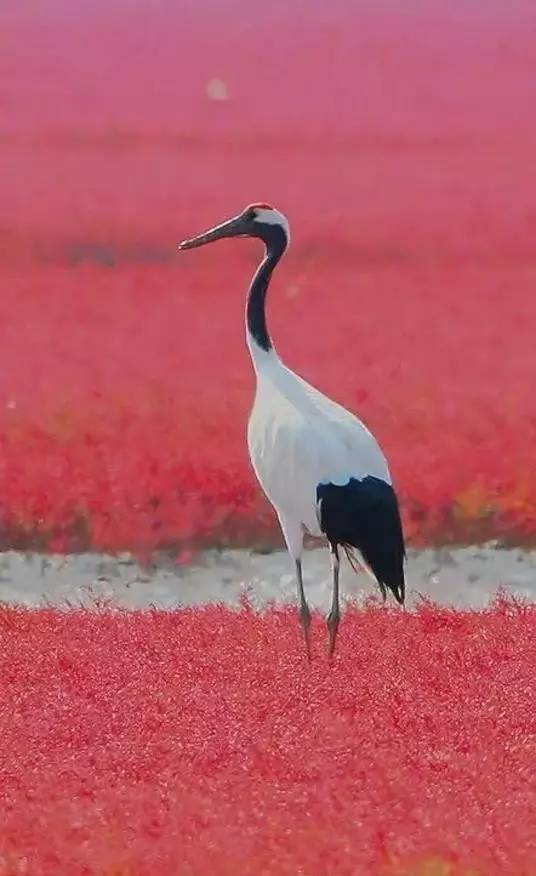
x=298 y=438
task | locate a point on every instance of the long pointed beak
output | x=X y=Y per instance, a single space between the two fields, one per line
x=231 y=228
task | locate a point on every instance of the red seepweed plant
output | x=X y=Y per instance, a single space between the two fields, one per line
x=201 y=741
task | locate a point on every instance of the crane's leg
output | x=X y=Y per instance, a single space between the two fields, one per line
x=293 y=535
x=305 y=614
x=383 y=590
x=334 y=615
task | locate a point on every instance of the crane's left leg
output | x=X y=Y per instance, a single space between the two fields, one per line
x=334 y=614
x=305 y=614
x=293 y=536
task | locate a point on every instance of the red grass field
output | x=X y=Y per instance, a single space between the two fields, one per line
x=201 y=742
x=399 y=141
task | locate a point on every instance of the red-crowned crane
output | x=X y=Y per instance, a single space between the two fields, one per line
x=318 y=464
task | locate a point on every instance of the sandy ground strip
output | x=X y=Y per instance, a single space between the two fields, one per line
x=463 y=577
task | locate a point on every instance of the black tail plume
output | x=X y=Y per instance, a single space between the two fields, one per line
x=364 y=514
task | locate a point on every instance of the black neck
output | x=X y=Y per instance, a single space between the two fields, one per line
x=276 y=242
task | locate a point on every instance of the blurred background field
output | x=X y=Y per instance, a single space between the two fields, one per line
x=398 y=138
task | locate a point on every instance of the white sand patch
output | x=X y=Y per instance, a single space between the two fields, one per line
x=463 y=577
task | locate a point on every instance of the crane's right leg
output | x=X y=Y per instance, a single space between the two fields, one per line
x=334 y=616
x=293 y=536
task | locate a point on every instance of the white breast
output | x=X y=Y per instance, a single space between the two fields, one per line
x=298 y=438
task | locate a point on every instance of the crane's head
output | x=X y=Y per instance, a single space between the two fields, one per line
x=257 y=220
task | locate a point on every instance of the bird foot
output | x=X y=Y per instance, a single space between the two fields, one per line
x=305 y=617
x=332 y=623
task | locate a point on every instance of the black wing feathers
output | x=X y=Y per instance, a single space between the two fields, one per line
x=365 y=514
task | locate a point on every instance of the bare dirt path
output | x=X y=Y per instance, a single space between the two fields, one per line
x=462 y=577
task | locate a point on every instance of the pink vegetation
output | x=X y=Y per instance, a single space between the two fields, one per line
x=201 y=742
x=398 y=141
